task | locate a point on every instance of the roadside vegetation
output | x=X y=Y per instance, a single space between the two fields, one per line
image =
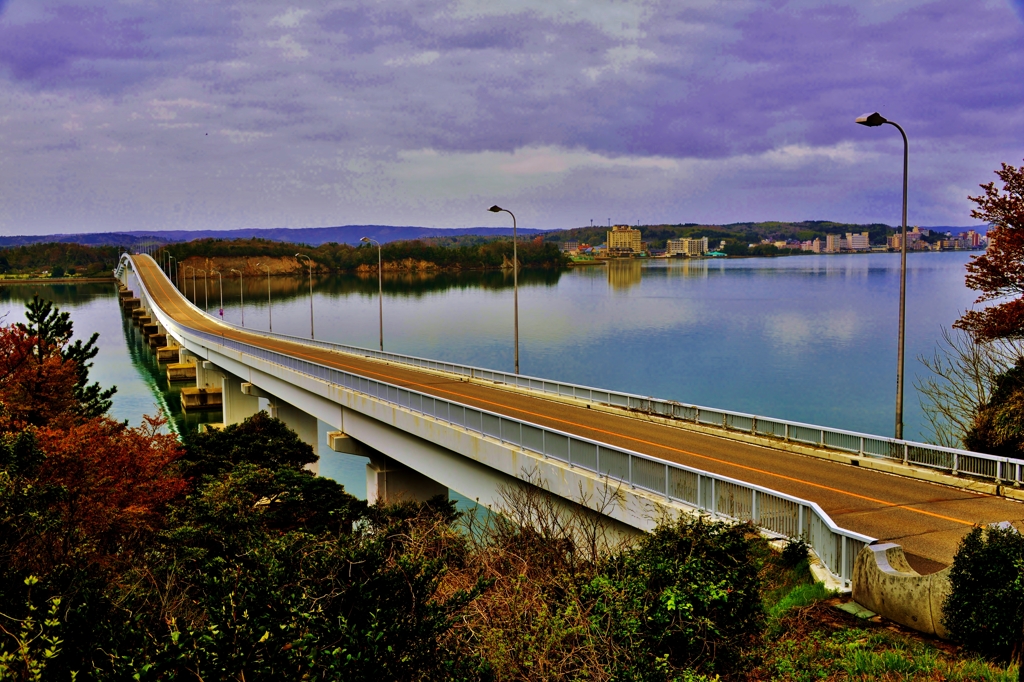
x=126 y=553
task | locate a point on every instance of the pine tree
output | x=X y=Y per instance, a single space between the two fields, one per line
x=53 y=330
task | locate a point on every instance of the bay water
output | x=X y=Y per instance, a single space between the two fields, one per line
x=807 y=338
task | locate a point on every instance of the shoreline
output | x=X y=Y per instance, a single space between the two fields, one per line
x=57 y=280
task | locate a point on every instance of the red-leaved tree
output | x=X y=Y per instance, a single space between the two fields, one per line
x=113 y=483
x=35 y=389
x=999 y=273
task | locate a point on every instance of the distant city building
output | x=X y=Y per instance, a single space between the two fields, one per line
x=687 y=247
x=570 y=247
x=913 y=240
x=973 y=238
x=858 y=242
x=624 y=239
x=812 y=246
x=833 y=243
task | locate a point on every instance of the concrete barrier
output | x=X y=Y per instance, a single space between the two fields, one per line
x=885 y=583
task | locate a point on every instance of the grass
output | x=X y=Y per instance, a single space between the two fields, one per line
x=808 y=640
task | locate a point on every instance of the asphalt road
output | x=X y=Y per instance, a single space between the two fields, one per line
x=926 y=518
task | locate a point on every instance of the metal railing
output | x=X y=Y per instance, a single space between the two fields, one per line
x=952 y=460
x=775 y=513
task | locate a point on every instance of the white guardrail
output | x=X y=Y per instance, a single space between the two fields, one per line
x=957 y=462
x=775 y=513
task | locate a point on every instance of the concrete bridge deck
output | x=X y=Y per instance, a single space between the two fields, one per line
x=927 y=519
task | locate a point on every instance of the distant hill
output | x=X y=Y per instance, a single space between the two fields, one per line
x=314 y=236
x=350 y=234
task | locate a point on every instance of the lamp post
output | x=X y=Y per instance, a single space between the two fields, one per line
x=172 y=269
x=206 y=292
x=241 y=294
x=310 y=260
x=515 y=283
x=270 y=311
x=189 y=267
x=873 y=120
x=380 y=291
x=220 y=279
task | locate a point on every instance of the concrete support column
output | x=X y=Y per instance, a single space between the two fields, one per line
x=238 y=406
x=388 y=481
x=300 y=422
x=208 y=375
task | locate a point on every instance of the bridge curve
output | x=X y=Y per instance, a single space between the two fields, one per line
x=927 y=519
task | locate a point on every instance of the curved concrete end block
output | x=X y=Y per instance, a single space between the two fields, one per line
x=885 y=583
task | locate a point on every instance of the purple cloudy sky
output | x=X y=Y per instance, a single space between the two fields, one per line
x=139 y=114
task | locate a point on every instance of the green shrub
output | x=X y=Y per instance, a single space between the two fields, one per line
x=687 y=595
x=794 y=552
x=985 y=608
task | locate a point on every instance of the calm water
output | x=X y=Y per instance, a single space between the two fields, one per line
x=810 y=338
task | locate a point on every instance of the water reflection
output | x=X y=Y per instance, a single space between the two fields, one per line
x=624 y=273
x=254 y=290
x=153 y=374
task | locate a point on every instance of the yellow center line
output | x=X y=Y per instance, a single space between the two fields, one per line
x=341 y=365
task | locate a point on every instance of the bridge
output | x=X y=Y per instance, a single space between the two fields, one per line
x=428 y=426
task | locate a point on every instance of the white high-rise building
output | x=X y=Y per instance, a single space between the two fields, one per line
x=858 y=242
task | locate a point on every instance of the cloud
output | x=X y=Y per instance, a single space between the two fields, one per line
x=417 y=112
x=290 y=48
x=290 y=19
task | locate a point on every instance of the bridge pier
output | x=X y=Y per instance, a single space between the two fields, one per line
x=208 y=375
x=238 y=405
x=387 y=480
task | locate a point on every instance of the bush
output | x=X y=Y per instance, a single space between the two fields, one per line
x=985 y=608
x=57 y=271
x=795 y=552
x=687 y=596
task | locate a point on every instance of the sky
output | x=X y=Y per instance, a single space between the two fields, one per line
x=221 y=114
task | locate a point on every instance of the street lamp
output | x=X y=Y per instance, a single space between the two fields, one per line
x=189 y=267
x=270 y=312
x=515 y=283
x=241 y=294
x=220 y=279
x=299 y=255
x=206 y=292
x=873 y=120
x=380 y=291
x=172 y=269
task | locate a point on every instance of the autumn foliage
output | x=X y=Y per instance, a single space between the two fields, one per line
x=74 y=485
x=999 y=272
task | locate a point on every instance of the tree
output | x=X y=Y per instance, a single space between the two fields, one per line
x=963 y=379
x=35 y=389
x=999 y=272
x=53 y=330
x=260 y=440
x=984 y=610
x=976 y=397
